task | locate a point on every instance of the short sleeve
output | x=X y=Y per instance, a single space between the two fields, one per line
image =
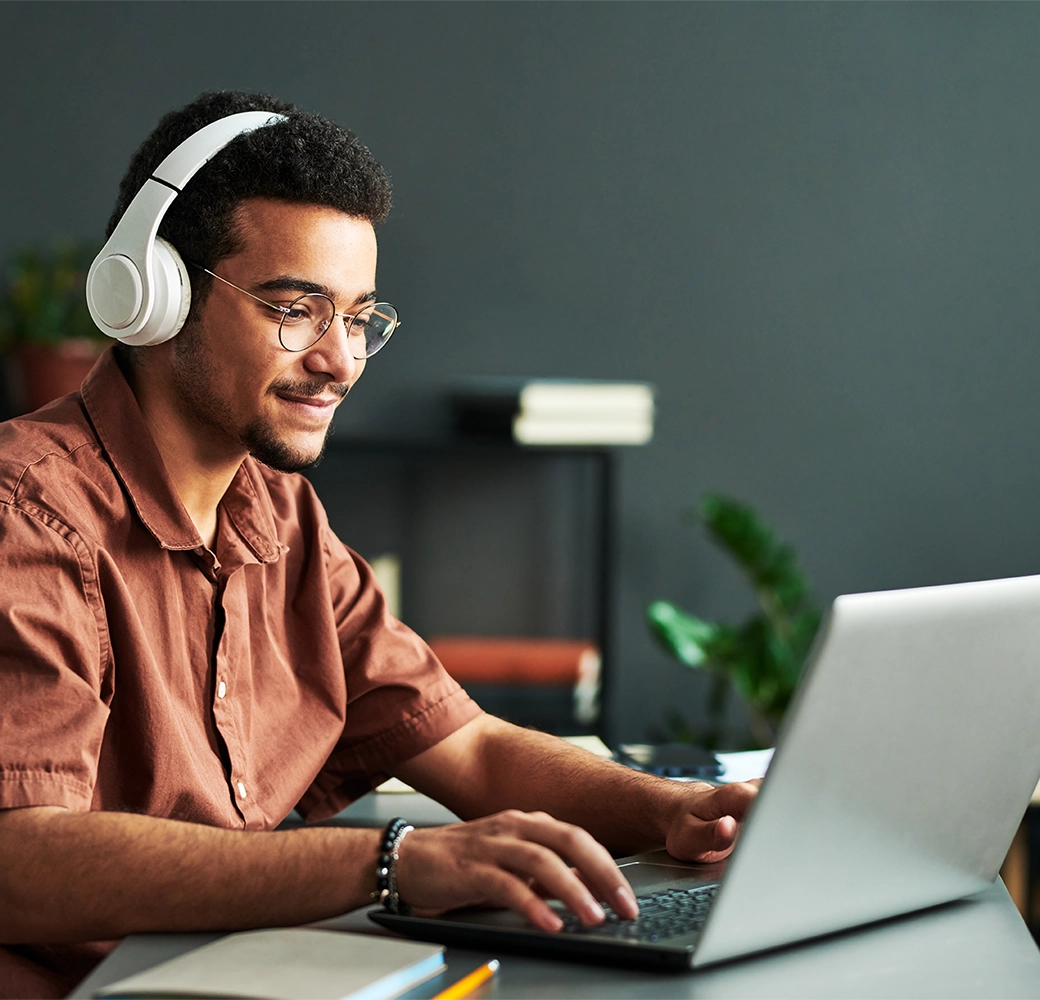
x=53 y=661
x=400 y=700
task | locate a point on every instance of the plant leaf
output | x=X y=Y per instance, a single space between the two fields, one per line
x=683 y=635
x=762 y=657
x=769 y=563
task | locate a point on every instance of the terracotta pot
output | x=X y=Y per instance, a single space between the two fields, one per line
x=42 y=372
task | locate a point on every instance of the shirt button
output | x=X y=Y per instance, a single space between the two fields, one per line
x=221 y=689
x=241 y=790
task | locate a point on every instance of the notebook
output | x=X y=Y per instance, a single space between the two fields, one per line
x=904 y=766
x=287 y=963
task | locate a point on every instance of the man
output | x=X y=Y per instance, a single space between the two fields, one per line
x=187 y=651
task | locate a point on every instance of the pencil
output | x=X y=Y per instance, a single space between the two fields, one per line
x=467 y=984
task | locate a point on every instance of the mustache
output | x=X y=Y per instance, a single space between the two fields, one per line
x=310 y=387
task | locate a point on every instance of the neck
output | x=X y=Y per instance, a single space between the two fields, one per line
x=200 y=460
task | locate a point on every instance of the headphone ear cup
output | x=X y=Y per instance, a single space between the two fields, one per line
x=182 y=287
x=172 y=297
x=115 y=293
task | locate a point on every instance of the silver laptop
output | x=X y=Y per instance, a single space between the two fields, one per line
x=901 y=774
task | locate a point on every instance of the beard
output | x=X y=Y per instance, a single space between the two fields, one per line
x=269 y=450
x=198 y=389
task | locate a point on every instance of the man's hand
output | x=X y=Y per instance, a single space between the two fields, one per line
x=512 y=859
x=705 y=826
x=488 y=766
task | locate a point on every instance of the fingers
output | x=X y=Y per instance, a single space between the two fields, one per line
x=497 y=888
x=694 y=839
x=513 y=859
x=623 y=899
x=593 y=867
x=505 y=889
x=706 y=828
x=528 y=860
x=729 y=800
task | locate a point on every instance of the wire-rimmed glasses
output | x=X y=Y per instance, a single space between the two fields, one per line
x=308 y=317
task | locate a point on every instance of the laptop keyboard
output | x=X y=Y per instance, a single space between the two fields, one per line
x=661 y=916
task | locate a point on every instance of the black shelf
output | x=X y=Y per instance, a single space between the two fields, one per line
x=494 y=538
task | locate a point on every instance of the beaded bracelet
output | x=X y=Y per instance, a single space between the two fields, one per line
x=386 y=869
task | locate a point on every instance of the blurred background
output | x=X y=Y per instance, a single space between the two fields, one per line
x=814 y=227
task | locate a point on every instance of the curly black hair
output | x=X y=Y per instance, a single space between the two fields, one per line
x=304 y=159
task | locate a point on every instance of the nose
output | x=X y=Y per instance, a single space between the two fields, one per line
x=331 y=355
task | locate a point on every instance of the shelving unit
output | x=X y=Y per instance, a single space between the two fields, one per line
x=493 y=539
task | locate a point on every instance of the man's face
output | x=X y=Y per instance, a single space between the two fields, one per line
x=237 y=386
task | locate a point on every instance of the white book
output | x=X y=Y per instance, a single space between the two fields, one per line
x=617 y=400
x=490 y=405
x=540 y=430
x=287 y=963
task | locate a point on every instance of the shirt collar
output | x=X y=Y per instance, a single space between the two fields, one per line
x=123 y=433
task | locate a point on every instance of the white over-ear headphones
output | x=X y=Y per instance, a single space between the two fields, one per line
x=137 y=287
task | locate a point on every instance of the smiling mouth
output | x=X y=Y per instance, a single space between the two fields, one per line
x=321 y=402
x=310 y=392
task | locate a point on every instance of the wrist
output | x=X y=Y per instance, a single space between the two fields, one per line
x=387 y=891
x=683 y=797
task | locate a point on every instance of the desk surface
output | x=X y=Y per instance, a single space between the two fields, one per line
x=977 y=947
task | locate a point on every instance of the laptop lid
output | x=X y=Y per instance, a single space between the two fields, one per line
x=902 y=771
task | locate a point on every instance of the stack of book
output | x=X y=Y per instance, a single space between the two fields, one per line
x=556 y=411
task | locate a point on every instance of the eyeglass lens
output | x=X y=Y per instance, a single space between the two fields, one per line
x=310 y=316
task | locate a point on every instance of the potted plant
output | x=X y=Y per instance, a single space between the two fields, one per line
x=45 y=329
x=762 y=657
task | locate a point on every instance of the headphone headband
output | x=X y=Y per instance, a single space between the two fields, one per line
x=188 y=158
x=137 y=288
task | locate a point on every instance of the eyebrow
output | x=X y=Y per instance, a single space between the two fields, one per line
x=290 y=283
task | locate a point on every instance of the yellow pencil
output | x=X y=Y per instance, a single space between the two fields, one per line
x=467 y=984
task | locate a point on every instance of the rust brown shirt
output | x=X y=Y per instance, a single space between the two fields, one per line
x=141 y=672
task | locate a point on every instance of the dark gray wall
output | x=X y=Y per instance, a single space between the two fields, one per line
x=813 y=226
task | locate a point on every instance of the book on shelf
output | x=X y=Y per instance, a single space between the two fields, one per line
x=539 y=430
x=507 y=660
x=518 y=662
x=289 y=962
x=544 y=411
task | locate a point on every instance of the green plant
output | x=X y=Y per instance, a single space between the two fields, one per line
x=762 y=657
x=42 y=300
